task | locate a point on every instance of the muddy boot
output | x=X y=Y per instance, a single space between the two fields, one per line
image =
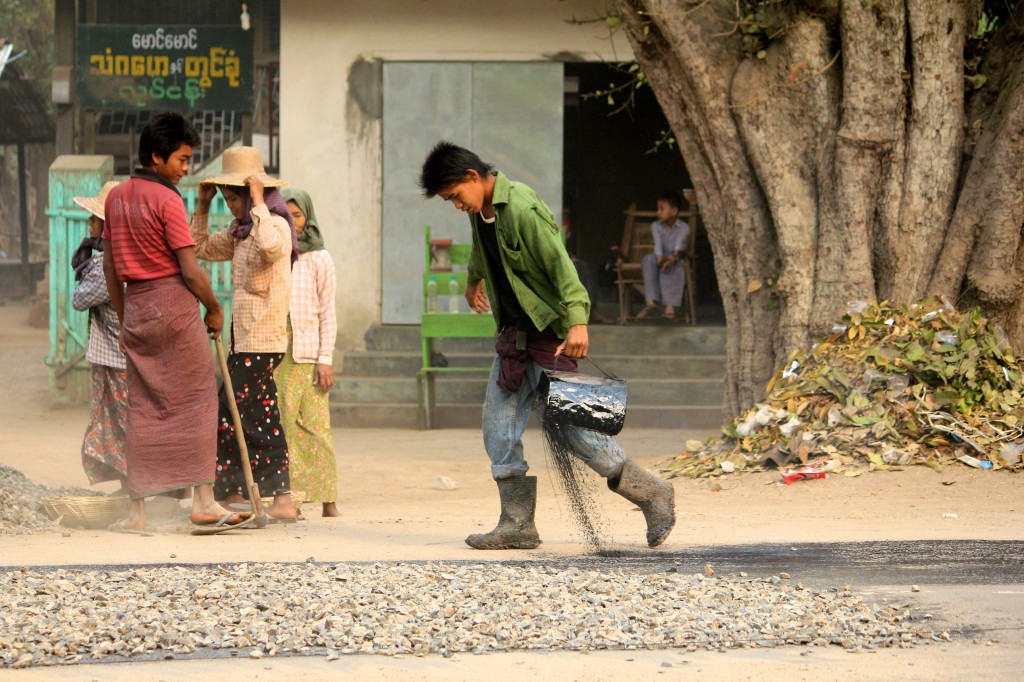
x=655 y=497
x=515 y=529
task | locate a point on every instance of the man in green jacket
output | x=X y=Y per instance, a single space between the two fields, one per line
x=520 y=271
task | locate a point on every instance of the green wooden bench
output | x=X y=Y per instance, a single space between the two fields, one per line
x=445 y=325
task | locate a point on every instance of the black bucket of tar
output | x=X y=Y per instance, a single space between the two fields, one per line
x=591 y=402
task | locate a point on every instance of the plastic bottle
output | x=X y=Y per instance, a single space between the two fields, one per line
x=453 y=294
x=432 y=294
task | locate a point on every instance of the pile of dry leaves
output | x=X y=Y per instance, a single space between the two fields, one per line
x=892 y=386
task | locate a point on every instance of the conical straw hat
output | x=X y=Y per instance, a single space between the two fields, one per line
x=94 y=204
x=238 y=164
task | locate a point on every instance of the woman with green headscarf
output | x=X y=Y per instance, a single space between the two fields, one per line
x=307 y=373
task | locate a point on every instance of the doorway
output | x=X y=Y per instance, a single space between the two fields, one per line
x=612 y=157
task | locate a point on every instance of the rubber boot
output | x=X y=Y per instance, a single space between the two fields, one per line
x=515 y=529
x=655 y=497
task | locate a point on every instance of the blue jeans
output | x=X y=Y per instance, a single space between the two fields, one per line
x=505 y=418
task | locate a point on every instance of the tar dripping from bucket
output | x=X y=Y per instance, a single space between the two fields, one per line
x=576 y=400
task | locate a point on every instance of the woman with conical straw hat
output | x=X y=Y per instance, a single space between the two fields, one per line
x=103 y=455
x=261 y=245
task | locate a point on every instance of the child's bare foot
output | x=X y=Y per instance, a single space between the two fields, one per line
x=136 y=521
x=646 y=311
x=331 y=509
x=282 y=508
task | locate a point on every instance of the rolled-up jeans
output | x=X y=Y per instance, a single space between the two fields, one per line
x=505 y=418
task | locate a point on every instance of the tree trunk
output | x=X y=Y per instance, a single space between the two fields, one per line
x=833 y=163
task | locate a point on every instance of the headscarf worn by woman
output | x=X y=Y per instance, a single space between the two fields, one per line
x=310 y=239
x=241 y=227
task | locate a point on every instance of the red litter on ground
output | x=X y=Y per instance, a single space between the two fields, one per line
x=812 y=470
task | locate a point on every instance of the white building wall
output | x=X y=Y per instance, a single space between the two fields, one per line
x=330 y=110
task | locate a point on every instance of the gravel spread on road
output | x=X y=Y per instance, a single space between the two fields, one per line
x=64 y=616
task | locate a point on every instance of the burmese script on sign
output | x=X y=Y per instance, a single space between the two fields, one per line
x=181 y=68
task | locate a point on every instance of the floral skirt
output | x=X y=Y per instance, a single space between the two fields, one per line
x=306 y=415
x=103 y=446
x=252 y=377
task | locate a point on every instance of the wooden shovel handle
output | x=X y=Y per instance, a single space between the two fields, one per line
x=254 y=491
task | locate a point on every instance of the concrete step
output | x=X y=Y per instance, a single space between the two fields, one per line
x=469 y=390
x=402 y=363
x=448 y=416
x=605 y=339
x=674 y=374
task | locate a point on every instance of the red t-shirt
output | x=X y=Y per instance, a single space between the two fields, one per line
x=145 y=224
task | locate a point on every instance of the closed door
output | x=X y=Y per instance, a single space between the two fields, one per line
x=509 y=113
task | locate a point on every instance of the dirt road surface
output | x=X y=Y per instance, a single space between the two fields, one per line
x=392 y=511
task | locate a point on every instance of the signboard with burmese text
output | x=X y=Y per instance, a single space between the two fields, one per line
x=166 y=68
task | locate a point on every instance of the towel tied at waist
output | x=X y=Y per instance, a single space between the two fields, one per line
x=515 y=347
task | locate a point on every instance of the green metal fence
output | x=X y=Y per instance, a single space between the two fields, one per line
x=77 y=175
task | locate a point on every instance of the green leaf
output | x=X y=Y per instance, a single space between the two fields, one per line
x=612 y=21
x=914 y=352
x=977 y=81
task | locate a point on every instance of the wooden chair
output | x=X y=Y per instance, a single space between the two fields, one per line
x=436 y=325
x=637 y=242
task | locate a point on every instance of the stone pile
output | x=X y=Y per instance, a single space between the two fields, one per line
x=21 y=510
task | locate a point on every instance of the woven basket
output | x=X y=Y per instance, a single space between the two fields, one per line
x=97 y=511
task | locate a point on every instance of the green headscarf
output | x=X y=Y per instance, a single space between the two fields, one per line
x=310 y=238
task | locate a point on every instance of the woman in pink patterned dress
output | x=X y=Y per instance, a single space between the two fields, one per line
x=307 y=373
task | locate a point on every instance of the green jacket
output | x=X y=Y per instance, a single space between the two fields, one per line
x=534 y=258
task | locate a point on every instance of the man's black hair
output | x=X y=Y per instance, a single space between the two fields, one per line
x=163 y=134
x=447 y=165
x=672 y=199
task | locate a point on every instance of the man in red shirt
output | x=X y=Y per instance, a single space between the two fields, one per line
x=154 y=280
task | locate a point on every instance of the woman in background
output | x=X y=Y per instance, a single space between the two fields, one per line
x=103 y=446
x=307 y=373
